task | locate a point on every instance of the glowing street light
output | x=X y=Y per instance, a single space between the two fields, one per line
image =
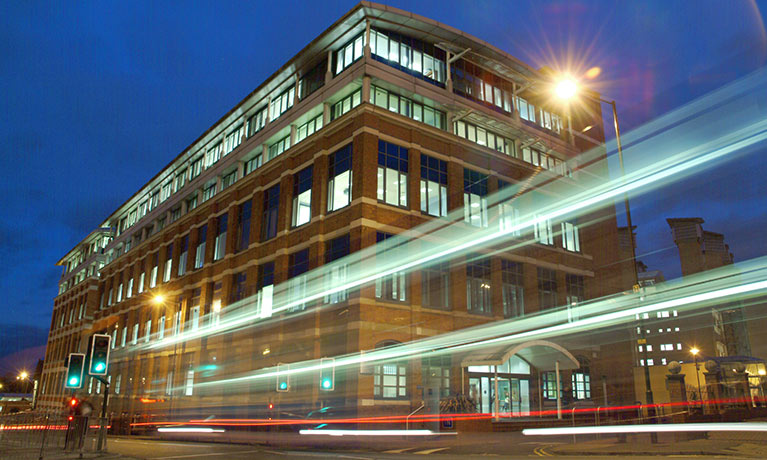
x=159 y=299
x=566 y=89
x=695 y=351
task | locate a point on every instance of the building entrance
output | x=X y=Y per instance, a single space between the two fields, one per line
x=513 y=387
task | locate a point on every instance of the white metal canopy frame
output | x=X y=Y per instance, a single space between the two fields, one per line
x=542 y=354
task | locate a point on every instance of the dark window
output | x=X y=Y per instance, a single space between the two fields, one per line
x=512 y=289
x=266 y=275
x=313 y=79
x=219 y=245
x=239 y=288
x=547 y=288
x=297 y=266
x=478 y=285
x=243 y=231
x=202 y=235
x=335 y=249
x=391 y=287
x=271 y=207
x=435 y=281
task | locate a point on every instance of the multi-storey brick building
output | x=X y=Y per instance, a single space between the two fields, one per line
x=384 y=122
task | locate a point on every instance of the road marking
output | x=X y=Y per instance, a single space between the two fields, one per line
x=541 y=452
x=209 y=454
x=397 y=451
x=298 y=453
x=430 y=451
x=154 y=443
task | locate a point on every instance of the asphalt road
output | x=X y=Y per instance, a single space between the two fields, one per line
x=474 y=445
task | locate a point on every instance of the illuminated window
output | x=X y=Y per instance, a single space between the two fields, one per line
x=307 y=129
x=199 y=257
x=168 y=263
x=570 y=239
x=474 y=198
x=433 y=186
x=392 y=174
x=349 y=53
x=219 y=246
x=278 y=147
x=257 y=122
x=549 y=385
x=233 y=139
x=302 y=197
x=542 y=231
x=415 y=57
x=340 y=182
x=346 y=104
x=581 y=384
x=282 y=103
x=183 y=256
x=390 y=379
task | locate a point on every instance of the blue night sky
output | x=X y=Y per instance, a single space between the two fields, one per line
x=97 y=97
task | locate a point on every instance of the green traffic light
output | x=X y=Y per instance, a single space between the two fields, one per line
x=74 y=381
x=283 y=385
x=99 y=367
x=326 y=383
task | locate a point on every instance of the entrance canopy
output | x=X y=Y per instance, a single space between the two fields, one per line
x=541 y=354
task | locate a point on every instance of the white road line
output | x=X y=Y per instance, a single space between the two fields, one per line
x=209 y=454
x=397 y=451
x=154 y=443
x=430 y=451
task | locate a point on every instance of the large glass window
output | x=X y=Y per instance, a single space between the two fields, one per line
x=233 y=139
x=475 y=198
x=435 y=282
x=581 y=384
x=508 y=214
x=307 y=129
x=209 y=191
x=391 y=287
x=349 y=53
x=392 y=173
x=228 y=180
x=312 y=80
x=297 y=267
x=282 y=103
x=410 y=55
x=390 y=379
x=437 y=368
x=219 y=248
x=336 y=249
x=549 y=385
x=482 y=136
x=168 y=263
x=575 y=289
x=213 y=154
x=257 y=122
x=183 y=256
x=340 y=182
x=278 y=147
x=346 y=104
x=546 y=161
x=478 y=285
x=476 y=83
x=547 y=288
x=512 y=289
x=407 y=107
x=302 y=197
x=271 y=209
x=570 y=237
x=202 y=235
x=252 y=164
x=543 y=232
x=433 y=186
x=243 y=229
x=178 y=184
x=153 y=273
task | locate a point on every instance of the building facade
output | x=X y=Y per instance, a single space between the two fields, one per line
x=384 y=123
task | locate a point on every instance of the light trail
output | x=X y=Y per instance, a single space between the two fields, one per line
x=649 y=428
x=189 y=430
x=748 y=279
x=374 y=433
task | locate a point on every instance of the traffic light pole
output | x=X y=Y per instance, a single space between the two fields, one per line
x=102 y=440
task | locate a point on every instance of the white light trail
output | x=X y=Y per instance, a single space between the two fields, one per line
x=190 y=430
x=648 y=428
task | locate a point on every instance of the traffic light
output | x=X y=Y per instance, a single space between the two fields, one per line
x=283 y=378
x=327 y=374
x=99 y=354
x=75 y=368
x=72 y=405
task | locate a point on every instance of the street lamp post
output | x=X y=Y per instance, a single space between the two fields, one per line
x=695 y=352
x=567 y=89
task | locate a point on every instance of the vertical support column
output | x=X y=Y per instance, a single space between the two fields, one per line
x=184 y=206
x=366 y=88
x=264 y=153
x=449 y=121
x=240 y=170
x=559 y=396
x=515 y=106
x=325 y=113
x=449 y=78
x=495 y=398
x=218 y=184
x=329 y=71
x=297 y=86
x=366 y=49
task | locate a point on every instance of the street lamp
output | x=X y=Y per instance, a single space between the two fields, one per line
x=566 y=89
x=695 y=353
x=23 y=375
